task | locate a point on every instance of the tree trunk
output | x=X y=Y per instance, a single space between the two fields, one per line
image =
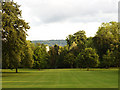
x=88 y=69
x=16 y=70
x=106 y=67
x=71 y=66
x=118 y=66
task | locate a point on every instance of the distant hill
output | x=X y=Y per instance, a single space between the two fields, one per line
x=51 y=42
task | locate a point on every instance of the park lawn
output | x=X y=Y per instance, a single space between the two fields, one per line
x=60 y=78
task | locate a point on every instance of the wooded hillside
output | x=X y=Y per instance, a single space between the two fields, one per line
x=51 y=42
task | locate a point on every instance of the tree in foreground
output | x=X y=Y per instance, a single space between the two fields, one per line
x=13 y=35
x=88 y=58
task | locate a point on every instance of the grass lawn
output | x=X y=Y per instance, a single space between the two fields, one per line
x=60 y=78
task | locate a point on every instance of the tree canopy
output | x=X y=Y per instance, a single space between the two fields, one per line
x=88 y=58
x=102 y=50
x=13 y=34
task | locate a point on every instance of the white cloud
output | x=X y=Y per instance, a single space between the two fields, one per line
x=61 y=30
x=55 y=19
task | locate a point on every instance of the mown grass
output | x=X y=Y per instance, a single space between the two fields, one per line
x=60 y=78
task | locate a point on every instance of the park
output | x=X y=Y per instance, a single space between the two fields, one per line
x=77 y=61
x=60 y=78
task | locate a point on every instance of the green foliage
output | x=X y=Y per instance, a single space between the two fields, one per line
x=70 y=40
x=88 y=58
x=27 y=56
x=107 y=59
x=79 y=38
x=63 y=52
x=116 y=58
x=54 y=56
x=89 y=42
x=13 y=34
x=76 y=42
x=40 y=57
x=70 y=59
x=106 y=36
x=17 y=52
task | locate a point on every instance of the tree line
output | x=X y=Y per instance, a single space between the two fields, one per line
x=102 y=50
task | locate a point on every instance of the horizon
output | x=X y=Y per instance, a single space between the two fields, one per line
x=47 y=40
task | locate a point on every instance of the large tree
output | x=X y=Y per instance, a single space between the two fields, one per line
x=107 y=37
x=88 y=58
x=13 y=34
x=103 y=39
x=77 y=42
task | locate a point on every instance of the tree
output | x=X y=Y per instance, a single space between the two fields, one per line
x=103 y=39
x=107 y=37
x=77 y=42
x=27 y=56
x=63 y=52
x=70 y=59
x=40 y=57
x=54 y=56
x=69 y=40
x=74 y=49
x=13 y=34
x=107 y=59
x=89 y=43
x=116 y=58
x=79 y=38
x=88 y=58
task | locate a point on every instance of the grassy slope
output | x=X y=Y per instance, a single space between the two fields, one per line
x=60 y=78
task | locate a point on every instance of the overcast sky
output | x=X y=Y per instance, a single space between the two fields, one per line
x=56 y=19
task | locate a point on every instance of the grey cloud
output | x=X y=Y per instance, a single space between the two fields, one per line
x=49 y=11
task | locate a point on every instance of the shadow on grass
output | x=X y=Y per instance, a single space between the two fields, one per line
x=9 y=74
x=15 y=72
